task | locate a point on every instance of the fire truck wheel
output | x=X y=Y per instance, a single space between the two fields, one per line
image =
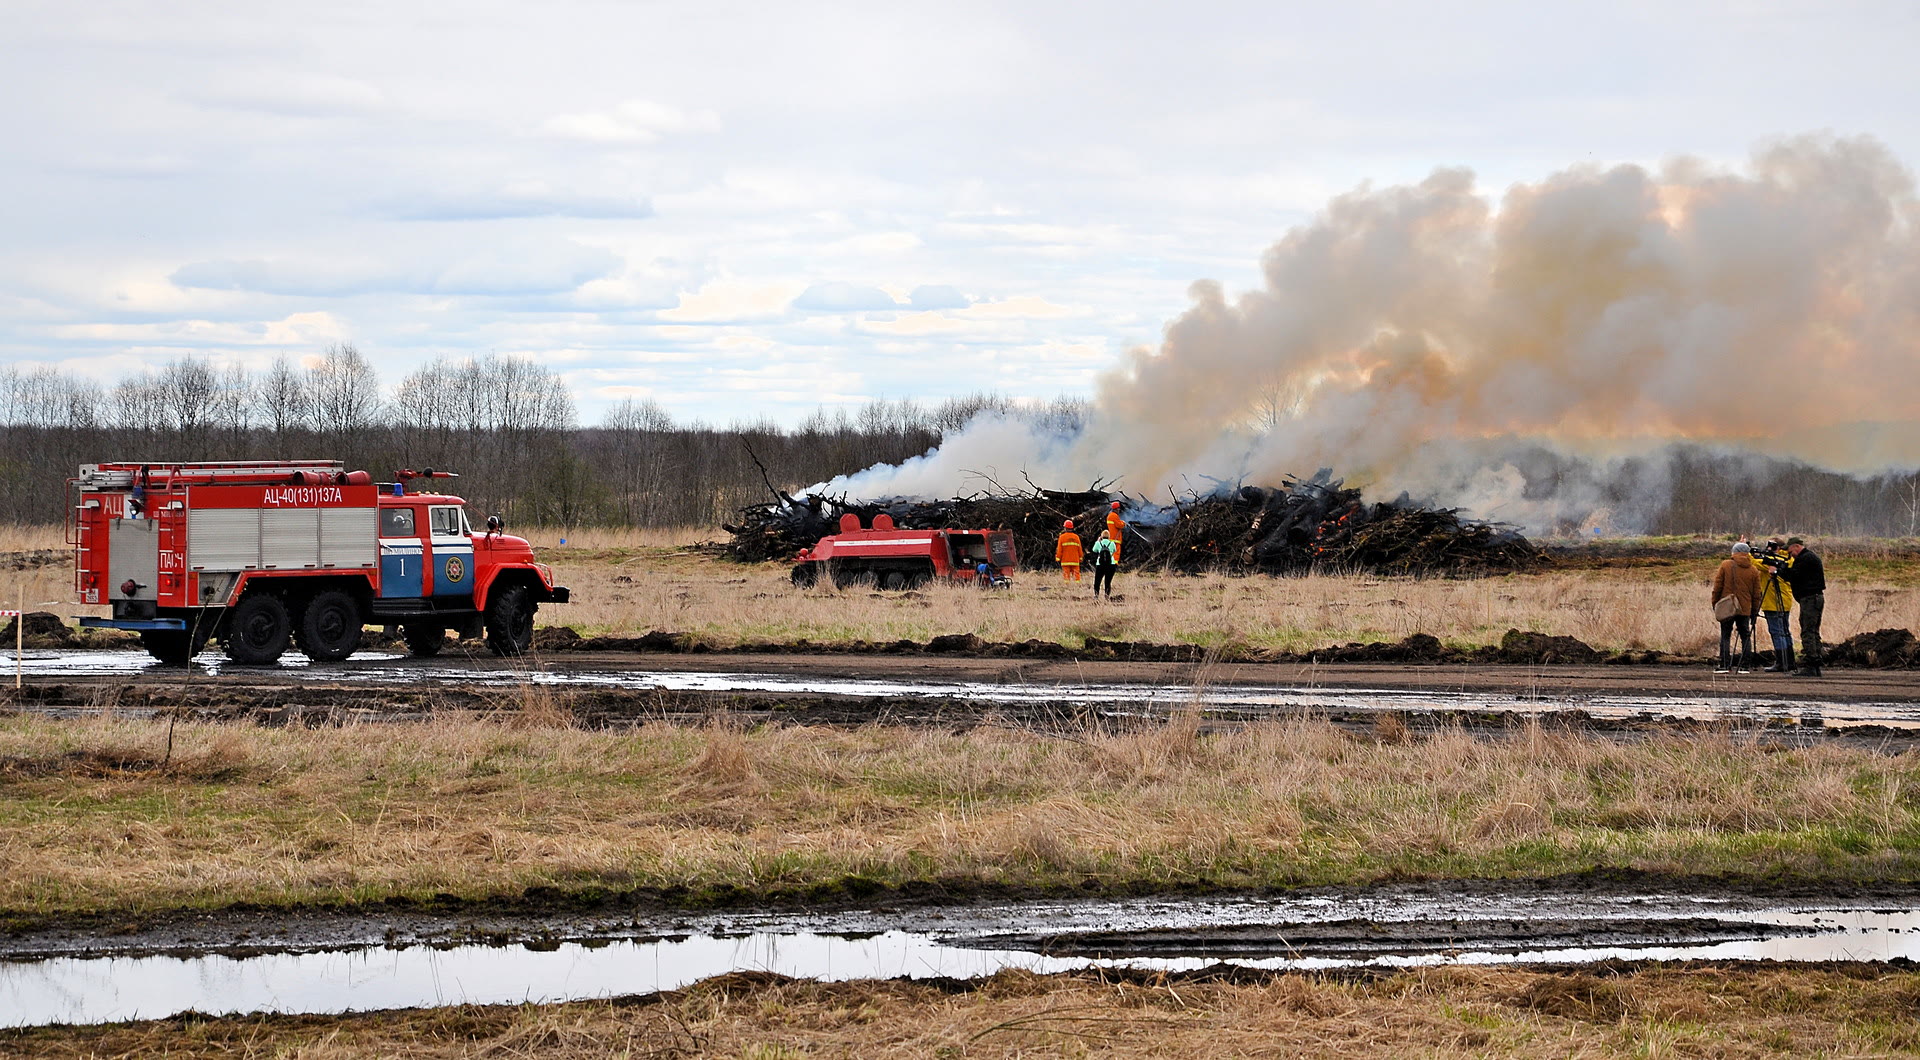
x=330 y=630
x=510 y=621
x=258 y=630
x=171 y=646
x=804 y=576
x=423 y=638
x=893 y=579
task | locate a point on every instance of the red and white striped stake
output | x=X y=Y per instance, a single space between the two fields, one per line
x=19 y=634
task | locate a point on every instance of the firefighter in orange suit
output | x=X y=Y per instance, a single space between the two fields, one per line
x=1115 y=526
x=1068 y=553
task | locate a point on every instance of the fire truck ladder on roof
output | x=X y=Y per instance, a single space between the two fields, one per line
x=230 y=472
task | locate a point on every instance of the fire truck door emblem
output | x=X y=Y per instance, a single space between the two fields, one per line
x=456 y=570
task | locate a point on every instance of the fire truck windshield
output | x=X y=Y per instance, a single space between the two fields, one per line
x=448 y=521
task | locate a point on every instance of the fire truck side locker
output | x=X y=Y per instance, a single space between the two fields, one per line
x=229 y=530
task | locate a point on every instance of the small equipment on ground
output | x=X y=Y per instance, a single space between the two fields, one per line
x=891 y=558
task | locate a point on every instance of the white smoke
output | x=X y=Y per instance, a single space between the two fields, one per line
x=1417 y=337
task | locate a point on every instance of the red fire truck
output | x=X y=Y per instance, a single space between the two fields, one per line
x=892 y=558
x=264 y=554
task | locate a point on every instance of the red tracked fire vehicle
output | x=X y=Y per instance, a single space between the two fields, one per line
x=266 y=554
x=892 y=558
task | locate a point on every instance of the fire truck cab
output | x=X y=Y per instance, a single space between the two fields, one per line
x=264 y=555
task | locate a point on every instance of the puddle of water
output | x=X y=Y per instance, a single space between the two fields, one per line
x=1250 y=701
x=50 y=662
x=104 y=989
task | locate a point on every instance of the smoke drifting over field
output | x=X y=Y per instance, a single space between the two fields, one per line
x=1420 y=338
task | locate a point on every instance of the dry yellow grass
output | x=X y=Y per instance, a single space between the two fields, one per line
x=1620 y=608
x=478 y=806
x=37 y=587
x=1751 y=1011
x=24 y=537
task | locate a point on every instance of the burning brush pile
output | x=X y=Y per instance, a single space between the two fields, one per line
x=1320 y=523
x=1283 y=529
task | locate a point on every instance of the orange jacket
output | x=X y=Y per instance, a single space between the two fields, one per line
x=1068 y=550
x=1740 y=579
x=1115 y=525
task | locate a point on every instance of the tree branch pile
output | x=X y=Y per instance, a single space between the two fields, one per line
x=1290 y=528
x=780 y=530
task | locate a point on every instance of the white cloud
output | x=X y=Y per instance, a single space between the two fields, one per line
x=1023 y=307
x=297 y=329
x=728 y=300
x=289 y=93
x=874 y=245
x=840 y=297
x=977 y=318
x=938 y=296
x=636 y=121
x=521 y=200
x=525 y=269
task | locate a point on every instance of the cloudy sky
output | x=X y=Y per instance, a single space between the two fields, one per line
x=752 y=210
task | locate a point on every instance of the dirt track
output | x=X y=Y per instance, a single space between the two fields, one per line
x=1650 y=681
x=1871 y=708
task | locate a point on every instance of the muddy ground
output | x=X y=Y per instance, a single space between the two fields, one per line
x=1476 y=914
x=399 y=688
x=1649 y=680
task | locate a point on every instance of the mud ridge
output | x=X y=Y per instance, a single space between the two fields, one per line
x=547 y=913
x=1886 y=649
x=1515 y=647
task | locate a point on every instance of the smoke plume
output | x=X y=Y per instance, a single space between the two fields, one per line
x=1421 y=338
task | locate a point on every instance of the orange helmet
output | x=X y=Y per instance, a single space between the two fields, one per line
x=1069 y=524
x=1116 y=506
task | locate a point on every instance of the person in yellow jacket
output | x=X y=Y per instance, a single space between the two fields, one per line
x=1068 y=551
x=1115 y=527
x=1776 y=599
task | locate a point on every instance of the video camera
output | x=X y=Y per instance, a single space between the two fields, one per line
x=1771 y=553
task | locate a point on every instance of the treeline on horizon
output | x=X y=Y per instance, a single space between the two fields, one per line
x=509 y=427
x=506 y=425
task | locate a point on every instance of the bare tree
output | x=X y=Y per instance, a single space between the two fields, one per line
x=635 y=433
x=186 y=389
x=345 y=392
x=136 y=408
x=283 y=403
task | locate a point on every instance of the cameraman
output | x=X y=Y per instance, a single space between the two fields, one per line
x=1808 y=578
x=1776 y=600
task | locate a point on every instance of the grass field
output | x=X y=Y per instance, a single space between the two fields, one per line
x=634 y=581
x=1659 y=604
x=94 y=817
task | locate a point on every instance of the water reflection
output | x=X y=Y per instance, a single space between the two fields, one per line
x=1247 y=701
x=104 y=989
